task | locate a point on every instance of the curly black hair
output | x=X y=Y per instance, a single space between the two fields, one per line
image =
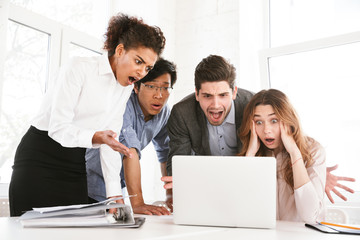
x=132 y=33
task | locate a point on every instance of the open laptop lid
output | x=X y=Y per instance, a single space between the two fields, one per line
x=224 y=191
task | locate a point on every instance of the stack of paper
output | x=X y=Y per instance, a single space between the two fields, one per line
x=84 y=215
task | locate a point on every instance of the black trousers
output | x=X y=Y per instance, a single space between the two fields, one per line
x=46 y=174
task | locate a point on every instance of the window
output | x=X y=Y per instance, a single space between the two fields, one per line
x=84 y=15
x=319 y=74
x=294 y=21
x=25 y=75
x=35 y=48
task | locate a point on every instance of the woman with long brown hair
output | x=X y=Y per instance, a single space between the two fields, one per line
x=271 y=128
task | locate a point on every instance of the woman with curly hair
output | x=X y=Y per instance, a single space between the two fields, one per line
x=84 y=110
x=271 y=128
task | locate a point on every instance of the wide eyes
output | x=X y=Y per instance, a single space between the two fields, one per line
x=259 y=122
x=139 y=62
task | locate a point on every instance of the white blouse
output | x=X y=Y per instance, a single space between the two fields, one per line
x=86 y=98
x=306 y=203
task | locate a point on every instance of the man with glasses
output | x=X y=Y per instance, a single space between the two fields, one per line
x=145 y=121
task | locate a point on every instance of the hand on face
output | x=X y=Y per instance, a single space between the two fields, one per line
x=287 y=139
x=254 y=143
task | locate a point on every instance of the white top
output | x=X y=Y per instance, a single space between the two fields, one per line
x=307 y=203
x=86 y=98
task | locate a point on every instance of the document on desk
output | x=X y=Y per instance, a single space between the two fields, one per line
x=326 y=227
x=84 y=215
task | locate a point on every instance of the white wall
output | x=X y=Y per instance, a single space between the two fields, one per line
x=194 y=29
x=204 y=28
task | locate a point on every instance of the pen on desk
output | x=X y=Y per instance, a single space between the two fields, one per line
x=338 y=225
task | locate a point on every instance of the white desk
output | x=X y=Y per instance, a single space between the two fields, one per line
x=163 y=228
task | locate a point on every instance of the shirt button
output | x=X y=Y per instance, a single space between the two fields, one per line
x=222 y=148
x=220 y=136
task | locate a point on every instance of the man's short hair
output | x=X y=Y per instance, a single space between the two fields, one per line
x=214 y=69
x=161 y=67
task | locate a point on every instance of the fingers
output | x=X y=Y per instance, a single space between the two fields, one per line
x=117 y=146
x=167 y=179
x=345 y=188
x=112 y=210
x=339 y=194
x=329 y=169
x=329 y=195
x=151 y=210
x=346 y=179
x=253 y=127
x=168 y=185
x=168 y=182
x=169 y=204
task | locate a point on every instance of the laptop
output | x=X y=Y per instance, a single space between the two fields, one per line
x=224 y=191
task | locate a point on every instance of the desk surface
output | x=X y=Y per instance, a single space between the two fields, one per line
x=163 y=228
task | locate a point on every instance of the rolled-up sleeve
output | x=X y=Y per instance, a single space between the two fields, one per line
x=309 y=198
x=161 y=145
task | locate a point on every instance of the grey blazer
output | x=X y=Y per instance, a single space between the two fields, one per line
x=187 y=126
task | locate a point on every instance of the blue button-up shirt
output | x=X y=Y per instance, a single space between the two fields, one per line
x=135 y=133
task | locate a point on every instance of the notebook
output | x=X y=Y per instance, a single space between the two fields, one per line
x=224 y=191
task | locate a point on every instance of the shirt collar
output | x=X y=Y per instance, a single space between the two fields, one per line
x=230 y=118
x=104 y=65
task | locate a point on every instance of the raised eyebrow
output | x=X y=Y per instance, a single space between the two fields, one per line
x=142 y=60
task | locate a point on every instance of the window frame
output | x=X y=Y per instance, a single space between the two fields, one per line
x=266 y=54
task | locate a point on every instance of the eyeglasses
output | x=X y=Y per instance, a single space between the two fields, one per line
x=152 y=88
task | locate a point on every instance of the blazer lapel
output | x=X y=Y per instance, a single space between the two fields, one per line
x=203 y=130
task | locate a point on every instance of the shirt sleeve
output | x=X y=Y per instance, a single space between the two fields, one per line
x=128 y=135
x=309 y=198
x=161 y=144
x=66 y=95
x=111 y=161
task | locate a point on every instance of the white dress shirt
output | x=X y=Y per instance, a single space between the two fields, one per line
x=86 y=98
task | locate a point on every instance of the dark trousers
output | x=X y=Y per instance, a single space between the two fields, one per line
x=46 y=174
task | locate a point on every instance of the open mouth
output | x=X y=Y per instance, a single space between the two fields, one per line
x=269 y=141
x=156 y=106
x=132 y=80
x=216 y=116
